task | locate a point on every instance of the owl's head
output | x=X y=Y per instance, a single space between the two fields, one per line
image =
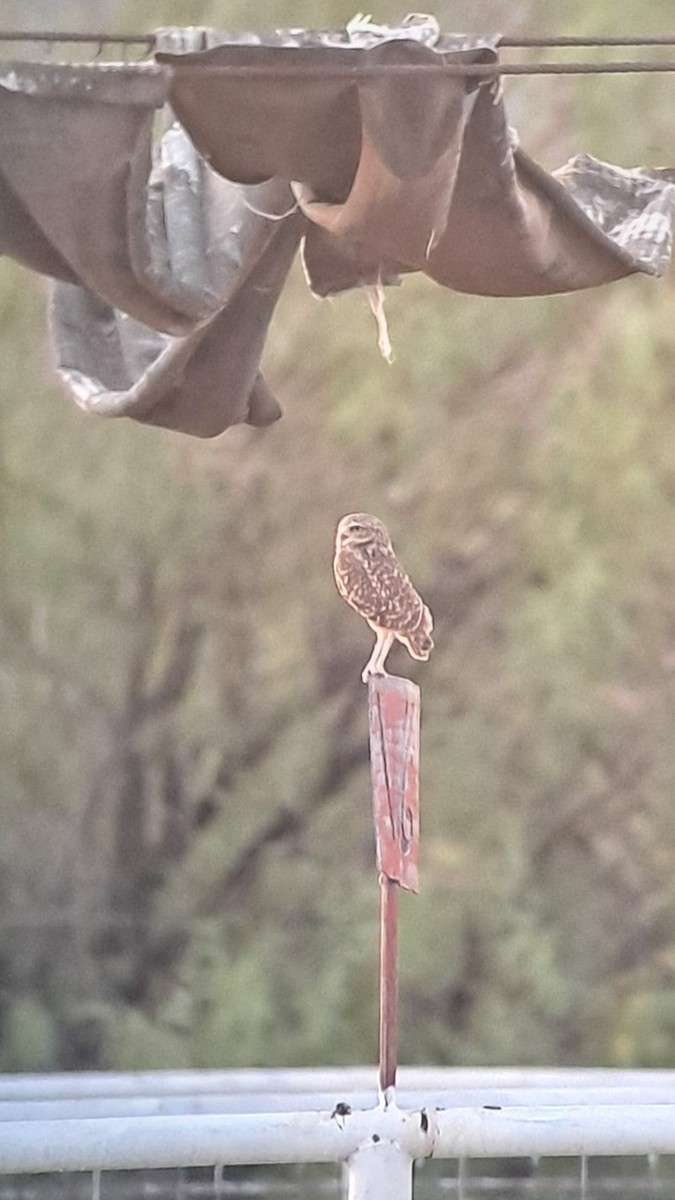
x=358 y=529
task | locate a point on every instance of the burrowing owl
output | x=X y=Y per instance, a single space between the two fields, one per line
x=371 y=579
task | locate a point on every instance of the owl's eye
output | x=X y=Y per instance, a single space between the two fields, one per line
x=356 y=528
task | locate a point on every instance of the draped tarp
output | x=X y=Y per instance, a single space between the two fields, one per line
x=168 y=274
x=415 y=172
x=171 y=240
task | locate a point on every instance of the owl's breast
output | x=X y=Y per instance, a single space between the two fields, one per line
x=373 y=582
x=356 y=578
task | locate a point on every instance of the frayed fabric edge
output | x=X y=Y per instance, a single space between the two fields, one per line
x=375 y=296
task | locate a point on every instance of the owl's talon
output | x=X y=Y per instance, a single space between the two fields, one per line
x=369 y=670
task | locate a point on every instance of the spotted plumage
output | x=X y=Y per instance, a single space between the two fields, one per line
x=371 y=579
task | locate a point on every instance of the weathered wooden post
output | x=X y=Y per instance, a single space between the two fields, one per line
x=394 y=723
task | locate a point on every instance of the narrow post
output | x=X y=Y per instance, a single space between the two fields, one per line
x=394 y=720
x=388 y=983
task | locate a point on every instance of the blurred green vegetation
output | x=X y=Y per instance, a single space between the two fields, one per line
x=186 y=871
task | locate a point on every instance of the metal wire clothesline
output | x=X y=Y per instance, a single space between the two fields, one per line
x=467 y=69
x=486 y=70
x=149 y=39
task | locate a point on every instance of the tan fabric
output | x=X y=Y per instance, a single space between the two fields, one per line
x=171 y=239
x=199 y=384
x=408 y=173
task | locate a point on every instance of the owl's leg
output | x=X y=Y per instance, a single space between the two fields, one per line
x=386 y=644
x=375 y=665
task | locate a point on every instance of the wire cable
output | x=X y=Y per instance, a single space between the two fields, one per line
x=480 y=70
x=94 y=39
x=148 y=39
x=542 y=42
x=475 y=70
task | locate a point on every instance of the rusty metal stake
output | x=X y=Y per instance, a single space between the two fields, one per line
x=388 y=983
x=394 y=720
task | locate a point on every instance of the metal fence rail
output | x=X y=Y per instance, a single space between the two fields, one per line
x=291 y=1081
x=187 y=1119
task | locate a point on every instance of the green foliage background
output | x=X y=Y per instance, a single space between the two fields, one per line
x=186 y=869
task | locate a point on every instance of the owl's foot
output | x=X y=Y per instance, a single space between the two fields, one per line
x=375 y=665
x=371 y=669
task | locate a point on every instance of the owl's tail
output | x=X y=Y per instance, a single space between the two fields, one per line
x=420 y=643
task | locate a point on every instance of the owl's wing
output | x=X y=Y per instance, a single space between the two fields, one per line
x=380 y=591
x=401 y=608
x=357 y=585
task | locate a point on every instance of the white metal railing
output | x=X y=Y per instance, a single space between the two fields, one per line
x=94 y=1122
